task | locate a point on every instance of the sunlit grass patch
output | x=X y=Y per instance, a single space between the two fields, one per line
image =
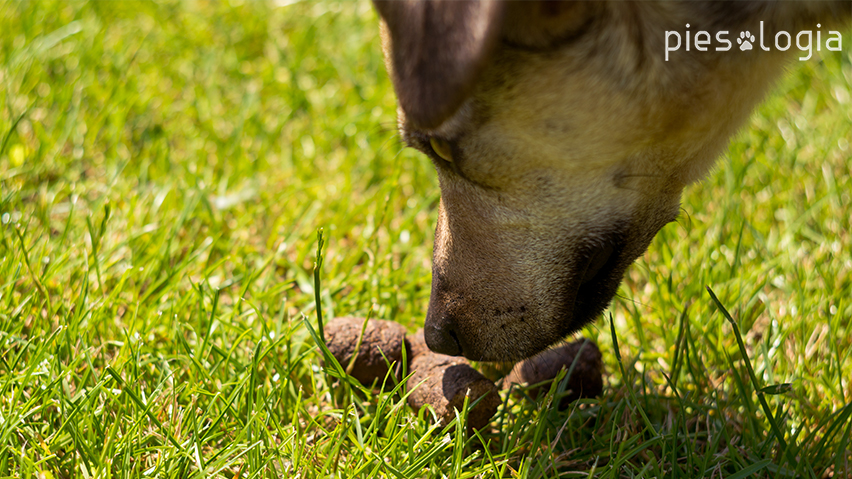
x=164 y=169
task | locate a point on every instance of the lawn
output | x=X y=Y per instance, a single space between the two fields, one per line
x=165 y=170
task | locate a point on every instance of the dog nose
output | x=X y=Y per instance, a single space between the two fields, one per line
x=441 y=337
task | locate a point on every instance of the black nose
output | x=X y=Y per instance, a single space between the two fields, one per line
x=441 y=337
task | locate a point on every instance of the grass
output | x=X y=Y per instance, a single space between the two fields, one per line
x=165 y=168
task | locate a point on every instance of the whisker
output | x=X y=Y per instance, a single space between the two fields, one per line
x=632 y=301
x=688 y=217
x=622 y=187
x=639 y=175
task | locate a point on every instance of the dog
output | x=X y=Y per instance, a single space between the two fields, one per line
x=563 y=134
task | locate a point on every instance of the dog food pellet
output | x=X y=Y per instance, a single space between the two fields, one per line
x=585 y=381
x=382 y=339
x=446 y=380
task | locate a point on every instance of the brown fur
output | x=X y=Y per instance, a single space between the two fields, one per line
x=571 y=140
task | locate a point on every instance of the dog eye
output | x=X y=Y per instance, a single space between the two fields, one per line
x=441 y=148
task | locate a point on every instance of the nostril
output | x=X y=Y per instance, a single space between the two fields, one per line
x=456 y=342
x=442 y=340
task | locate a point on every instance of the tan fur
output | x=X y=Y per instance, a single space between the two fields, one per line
x=571 y=146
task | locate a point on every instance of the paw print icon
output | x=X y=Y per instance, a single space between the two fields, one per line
x=745 y=40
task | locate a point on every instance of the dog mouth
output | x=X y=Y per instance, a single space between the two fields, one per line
x=598 y=285
x=601 y=261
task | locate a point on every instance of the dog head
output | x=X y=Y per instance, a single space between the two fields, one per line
x=562 y=140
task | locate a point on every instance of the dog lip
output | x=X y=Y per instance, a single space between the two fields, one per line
x=598 y=261
x=598 y=286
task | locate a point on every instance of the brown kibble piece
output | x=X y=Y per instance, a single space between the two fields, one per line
x=445 y=382
x=585 y=381
x=381 y=336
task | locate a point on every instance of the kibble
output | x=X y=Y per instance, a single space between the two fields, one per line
x=382 y=339
x=443 y=382
x=585 y=381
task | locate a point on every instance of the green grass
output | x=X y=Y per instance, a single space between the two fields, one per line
x=164 y=169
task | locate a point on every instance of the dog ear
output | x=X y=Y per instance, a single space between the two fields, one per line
x=435 y=50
